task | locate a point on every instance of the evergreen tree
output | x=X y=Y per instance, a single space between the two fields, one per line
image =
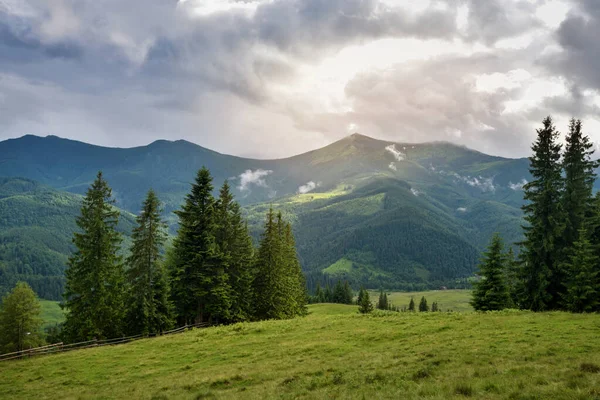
x=339 y=293
x=434 y=307
x=150 y=310
x=348 y=293
x=491 y=293
x=20 y=322
x=423 y=307
x=328 y=294
x=297 y=282
x=237 y=254
x=382 y=303
x=364 y=303
x=583 y=286
x=270 y=282
x=95 y=290
x=579 y=180
x=319 y=294
x=513 y=284
x=411 y=305
x=200 y=287
x=241 y=268
x=540 y=272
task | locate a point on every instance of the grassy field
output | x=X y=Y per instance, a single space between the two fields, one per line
x=455 y=300
x=51 y=312
x=335 y=353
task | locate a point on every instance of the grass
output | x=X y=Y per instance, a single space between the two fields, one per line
x=455 y=300
x=335 y=353
x=51 y=313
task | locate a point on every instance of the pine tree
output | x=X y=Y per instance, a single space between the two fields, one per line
x=339 y=294
x=348 y=293
x=579 y=180
x=241 y=268
x=583 y=285
x=270 y=280
x=328 y=294
x=199 y=281
x=491 y=293
x=423 y=307
x=382 y=303
x=95 y=290
x=150 y=310
x=319 y=295
x=513 y=284
x=296 y=278
x=544 y=216
x=364 y=303
x=411 y=305
x=237 y=253
x=20 y=322
x=434 y=307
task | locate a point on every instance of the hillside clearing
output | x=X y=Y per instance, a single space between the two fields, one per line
x=335 y=353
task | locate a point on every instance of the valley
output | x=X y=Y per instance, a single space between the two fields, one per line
x=363 y=210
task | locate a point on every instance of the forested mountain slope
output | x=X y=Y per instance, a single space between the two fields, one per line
x=375 y=212
x=37 y=224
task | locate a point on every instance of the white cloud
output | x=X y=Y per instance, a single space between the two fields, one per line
x=392 y=166
x=398 y=155
x=415 y=191
x=485 y=184
x=308 y=187
x=461 y=209
x=256 y=178
x=518 y=185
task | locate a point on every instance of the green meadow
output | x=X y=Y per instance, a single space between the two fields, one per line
x=448 y=300
x=335 y=353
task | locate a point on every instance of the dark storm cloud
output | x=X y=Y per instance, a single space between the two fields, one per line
x=578 y=36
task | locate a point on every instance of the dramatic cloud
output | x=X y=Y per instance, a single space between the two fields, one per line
x=309 y=187
x=256 y=178
x=240 y=75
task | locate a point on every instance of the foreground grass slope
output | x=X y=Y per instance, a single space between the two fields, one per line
x=336 y=353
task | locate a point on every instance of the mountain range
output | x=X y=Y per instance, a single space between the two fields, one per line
x=379 y=213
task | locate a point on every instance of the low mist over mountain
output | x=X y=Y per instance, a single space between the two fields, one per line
x=375 y=212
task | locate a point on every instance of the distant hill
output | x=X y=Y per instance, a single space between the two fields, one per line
x=35 y=239
x=378 y=213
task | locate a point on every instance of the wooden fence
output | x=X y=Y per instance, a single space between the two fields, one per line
x=60 y=347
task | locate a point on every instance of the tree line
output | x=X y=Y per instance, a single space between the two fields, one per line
x=558 y=263
x=211 y=273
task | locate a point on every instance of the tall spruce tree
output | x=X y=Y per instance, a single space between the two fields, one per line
x=241 y=268
x=540 y=256
x=150 y=310
x=237 y=252
x=513 y=283
x=491 y=293
x=296 y=277
x=200 y=287
x=382 y=303
x=319 y=296
x=95 y=290
x=20 y=322
x=583 y=285
x=269 y=283
x=579 y=180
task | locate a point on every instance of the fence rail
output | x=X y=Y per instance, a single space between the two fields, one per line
x=60 y=347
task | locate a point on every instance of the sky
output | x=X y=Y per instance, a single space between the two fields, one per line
x=274 y=78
